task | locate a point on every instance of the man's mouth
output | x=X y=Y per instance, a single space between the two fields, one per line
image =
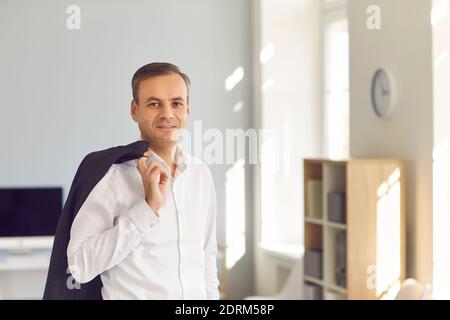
x=166 y=127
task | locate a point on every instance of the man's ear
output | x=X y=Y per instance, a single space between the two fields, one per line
x=133 y=110
x=188 y=108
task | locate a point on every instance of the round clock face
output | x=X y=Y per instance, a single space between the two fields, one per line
x=382 y=93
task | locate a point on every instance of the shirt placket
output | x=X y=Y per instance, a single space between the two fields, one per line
x=180 y=235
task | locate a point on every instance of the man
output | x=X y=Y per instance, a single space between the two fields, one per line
x=149 y=230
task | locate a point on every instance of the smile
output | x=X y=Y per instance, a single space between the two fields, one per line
x=166 y=127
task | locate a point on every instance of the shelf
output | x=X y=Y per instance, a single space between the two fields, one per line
x=355 y=220
x=321 y=179
x=316 y=281
x=321 y=222
x=321 y=283
x=340 y=226
x=336 y=289
x=314 y=221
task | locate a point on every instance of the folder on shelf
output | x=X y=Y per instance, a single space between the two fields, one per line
x=313 y=263
x=336 y=207
x=314 y=201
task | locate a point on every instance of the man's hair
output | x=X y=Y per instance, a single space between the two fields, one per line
x=156 y=69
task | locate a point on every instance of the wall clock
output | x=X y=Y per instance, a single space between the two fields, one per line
x=384 y=93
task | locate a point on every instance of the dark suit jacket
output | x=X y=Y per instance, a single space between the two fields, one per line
x=91 y=170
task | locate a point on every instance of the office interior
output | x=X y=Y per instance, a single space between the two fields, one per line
x=346 y=102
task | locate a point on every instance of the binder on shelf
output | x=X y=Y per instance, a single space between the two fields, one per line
x=336 y=207
x=313 y=263
x=341 y=265
x=314 y=201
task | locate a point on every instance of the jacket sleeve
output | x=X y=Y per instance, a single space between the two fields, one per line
x=98 y=241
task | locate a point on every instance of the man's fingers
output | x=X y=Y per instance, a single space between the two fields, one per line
x=164 y=178
x=142 y=161
x=151 y=167
x=141 y=165
x=150 y=178
x=150 y=173
x=154 y=172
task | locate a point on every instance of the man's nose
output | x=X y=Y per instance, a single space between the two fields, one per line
x=166 y=112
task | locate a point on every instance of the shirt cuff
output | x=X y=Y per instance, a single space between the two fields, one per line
x=143 y=217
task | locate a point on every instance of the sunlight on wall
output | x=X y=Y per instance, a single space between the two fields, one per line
x=388 y=270
x=439 y=12
x=440 y=59
x=269 y=168
x=267 y=53
x=441 y=221
x=238 y=106
x=441 y=158
x=233 y=79
x=267 y=84
x=235 y=213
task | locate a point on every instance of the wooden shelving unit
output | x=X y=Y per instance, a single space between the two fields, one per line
x=371 y=235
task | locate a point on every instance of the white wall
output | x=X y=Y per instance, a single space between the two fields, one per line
x=291 y=105
x=66 y=93
x=404 y=46
x=441 y=165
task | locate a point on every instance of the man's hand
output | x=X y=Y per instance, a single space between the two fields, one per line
x=154 y=180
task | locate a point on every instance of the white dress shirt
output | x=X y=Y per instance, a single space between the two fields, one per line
x=138 y=254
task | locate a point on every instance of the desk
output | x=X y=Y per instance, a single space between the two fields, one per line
x=23 y=276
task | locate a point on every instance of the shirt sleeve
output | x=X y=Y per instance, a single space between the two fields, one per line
x=210 y=246
x=98 y=239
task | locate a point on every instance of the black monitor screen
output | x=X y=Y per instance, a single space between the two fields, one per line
x=29 y=212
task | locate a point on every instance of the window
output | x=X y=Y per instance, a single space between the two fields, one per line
x=336 y=80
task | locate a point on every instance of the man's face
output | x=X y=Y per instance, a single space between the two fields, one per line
x=162 y=108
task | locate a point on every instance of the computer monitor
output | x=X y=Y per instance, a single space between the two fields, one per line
x=28 y=216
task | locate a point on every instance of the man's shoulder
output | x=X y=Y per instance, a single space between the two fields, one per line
x=196 y=162
x=112 y=154
x=123 y=169
x=190 y=159
x=199 y=166
x=99 y=154
x=103 y=166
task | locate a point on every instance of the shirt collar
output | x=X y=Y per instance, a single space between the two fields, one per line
x=180 y=159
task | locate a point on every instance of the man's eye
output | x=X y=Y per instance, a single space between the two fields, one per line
x=153 y=104
x=177 y=104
